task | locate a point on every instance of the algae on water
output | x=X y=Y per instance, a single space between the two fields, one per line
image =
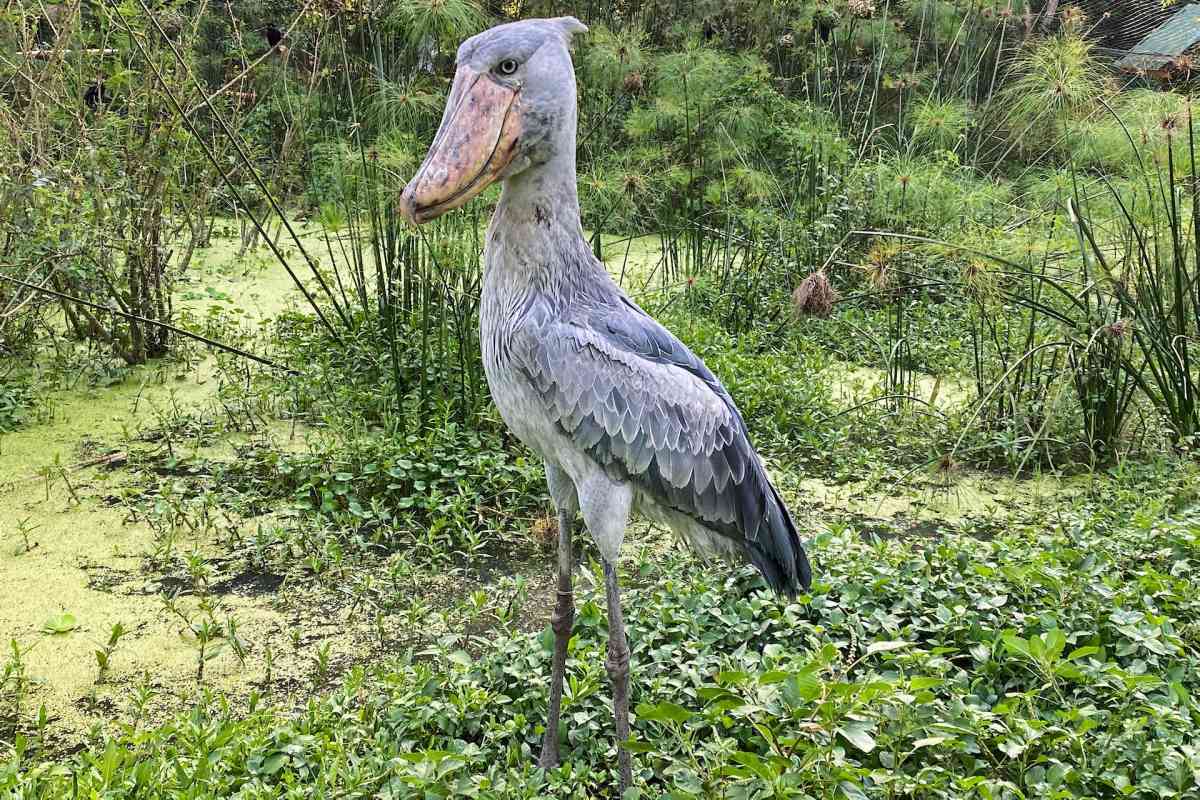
x=68 y=547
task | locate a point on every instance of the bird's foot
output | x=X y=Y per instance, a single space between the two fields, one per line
x=549 y=758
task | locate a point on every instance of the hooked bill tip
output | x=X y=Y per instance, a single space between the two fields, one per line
x=408 y=206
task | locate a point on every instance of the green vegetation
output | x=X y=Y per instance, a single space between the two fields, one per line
x=1047 y=659
x=944 y=259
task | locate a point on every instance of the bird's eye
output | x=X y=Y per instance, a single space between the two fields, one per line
x=506 y=67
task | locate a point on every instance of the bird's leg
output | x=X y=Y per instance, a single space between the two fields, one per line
x=561 y=621
x=618 y=672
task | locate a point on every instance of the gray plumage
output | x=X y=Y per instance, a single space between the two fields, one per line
x=588 y=379
x=625 y=417
x=610 y=381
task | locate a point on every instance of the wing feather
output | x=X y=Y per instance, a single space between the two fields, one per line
x=642 y=405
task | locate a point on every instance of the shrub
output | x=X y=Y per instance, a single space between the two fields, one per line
x=16 y=398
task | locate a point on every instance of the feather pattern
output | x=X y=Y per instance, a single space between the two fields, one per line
x=647 y=409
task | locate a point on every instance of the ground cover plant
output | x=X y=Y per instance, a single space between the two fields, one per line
x=262 y=533
x=1043 y=660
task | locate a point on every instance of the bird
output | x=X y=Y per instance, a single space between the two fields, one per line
x=97 y=95
x=273 y=35
x=624 y=416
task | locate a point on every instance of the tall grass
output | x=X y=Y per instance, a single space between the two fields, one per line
x=1054 y=374
x=1147 y=255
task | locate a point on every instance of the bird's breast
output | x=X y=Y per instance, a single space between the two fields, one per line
x=503 y=306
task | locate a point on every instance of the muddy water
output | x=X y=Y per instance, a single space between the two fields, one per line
x=965 y=496
x=84 y=556
x=87 y=556
x=952 y=498
x=854 y=384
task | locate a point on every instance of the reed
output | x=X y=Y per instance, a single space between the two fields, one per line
x=1147 y=257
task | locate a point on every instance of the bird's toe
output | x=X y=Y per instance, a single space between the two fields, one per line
x=549 y=758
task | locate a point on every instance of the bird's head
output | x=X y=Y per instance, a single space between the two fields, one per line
x=513 y=95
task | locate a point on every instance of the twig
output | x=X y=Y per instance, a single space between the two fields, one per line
x=127 y=315
x=225 y=176
x=92 y=51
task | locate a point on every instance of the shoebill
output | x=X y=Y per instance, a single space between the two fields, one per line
x=626 y=418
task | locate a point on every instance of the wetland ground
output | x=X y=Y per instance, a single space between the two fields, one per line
x=80 y=553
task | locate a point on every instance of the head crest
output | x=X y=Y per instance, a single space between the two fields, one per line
x=570 y=26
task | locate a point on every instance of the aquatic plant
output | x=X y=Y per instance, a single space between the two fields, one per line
x=1055 y=81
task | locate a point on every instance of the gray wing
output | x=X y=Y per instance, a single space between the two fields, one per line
x=646 y=408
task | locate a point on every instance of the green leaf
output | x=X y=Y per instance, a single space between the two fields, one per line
x=1015 y=644
x=1037 y=647
x=732 y=677
x=1012 y=747
x=636 y=745
x=883 y=647
x=859 y=734
x=665 y=711
x=711 y=694
x=756 y=765
x=60 y=623
x=1055 y=641
x=1069 y=671
x=1083 y=652
x=928 y=741
x=803 y=686
x=461 y=657
x=274 y=763
x=852 y=791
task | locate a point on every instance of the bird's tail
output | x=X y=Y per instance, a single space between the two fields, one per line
x=777 y=551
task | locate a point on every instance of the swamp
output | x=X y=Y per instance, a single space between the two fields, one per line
x=264 y=533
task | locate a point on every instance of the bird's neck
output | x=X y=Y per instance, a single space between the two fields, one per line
x=544 y=197
x=536 y=237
